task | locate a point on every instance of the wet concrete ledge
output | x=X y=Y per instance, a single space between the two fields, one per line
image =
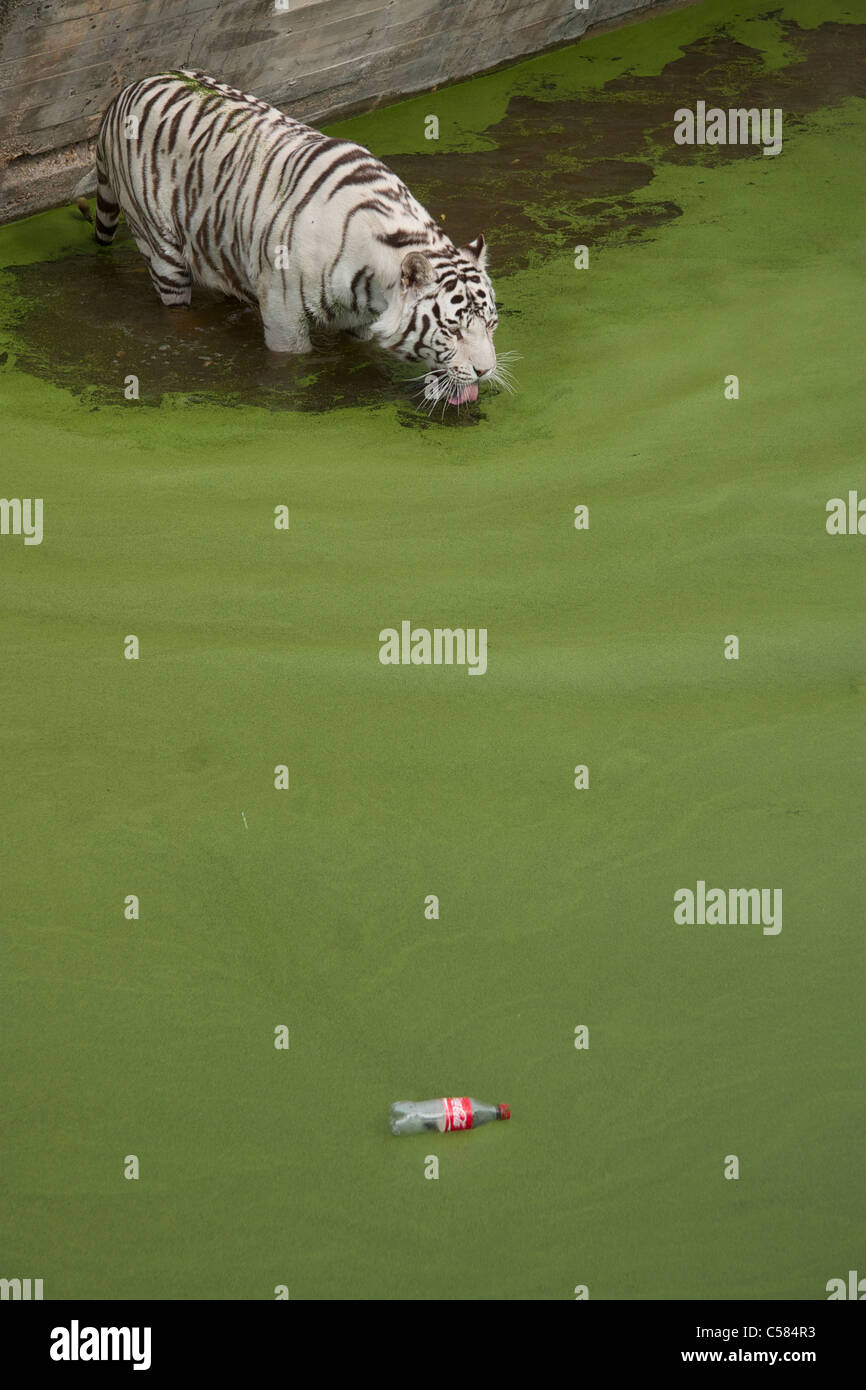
x=61 y=61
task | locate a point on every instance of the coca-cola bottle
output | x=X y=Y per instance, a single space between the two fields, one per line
x=454 y=1112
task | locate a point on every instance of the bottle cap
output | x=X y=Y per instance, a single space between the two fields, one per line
x=504 y=1112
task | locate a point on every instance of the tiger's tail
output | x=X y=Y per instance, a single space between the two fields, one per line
x=107 y=208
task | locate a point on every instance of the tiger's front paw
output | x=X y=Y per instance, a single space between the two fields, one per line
x=278 y=340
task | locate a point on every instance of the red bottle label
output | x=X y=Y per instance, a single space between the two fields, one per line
x=458 y=1113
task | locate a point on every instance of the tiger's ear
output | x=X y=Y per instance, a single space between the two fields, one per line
x=416 y=271
x=478 y=251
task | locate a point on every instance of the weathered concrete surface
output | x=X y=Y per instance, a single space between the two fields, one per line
x=61 y=61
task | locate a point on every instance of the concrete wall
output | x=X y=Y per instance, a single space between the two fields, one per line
x=61 y=61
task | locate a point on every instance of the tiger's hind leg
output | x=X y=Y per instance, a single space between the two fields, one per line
x=169 y=273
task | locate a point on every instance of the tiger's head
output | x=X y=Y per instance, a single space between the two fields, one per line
x=444 y=314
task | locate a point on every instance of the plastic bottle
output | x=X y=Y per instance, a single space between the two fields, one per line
x=454 y=1112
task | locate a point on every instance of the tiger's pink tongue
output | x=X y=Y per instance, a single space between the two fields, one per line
x=466 y=393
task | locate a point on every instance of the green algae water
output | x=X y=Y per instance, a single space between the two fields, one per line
x=309 y=908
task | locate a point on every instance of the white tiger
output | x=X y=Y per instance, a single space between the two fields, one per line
x=225 y=190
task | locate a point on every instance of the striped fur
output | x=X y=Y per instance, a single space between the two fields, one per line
x=221 y=189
